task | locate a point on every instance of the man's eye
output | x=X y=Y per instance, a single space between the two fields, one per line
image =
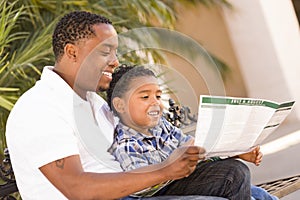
x=158 y=97
x=145 y=97
x=104 y=53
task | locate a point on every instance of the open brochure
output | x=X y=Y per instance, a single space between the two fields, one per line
x=229 y=126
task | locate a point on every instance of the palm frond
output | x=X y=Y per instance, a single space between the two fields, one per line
x=34 y=49
x=4 y=103
x=8 y=22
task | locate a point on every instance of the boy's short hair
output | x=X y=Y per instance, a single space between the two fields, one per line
x=121 y=80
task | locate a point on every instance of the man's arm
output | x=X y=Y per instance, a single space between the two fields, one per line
x=69 y=177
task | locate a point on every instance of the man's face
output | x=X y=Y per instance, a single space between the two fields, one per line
x=98 y=59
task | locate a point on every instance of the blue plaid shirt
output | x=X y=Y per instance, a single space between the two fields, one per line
x=133 y=149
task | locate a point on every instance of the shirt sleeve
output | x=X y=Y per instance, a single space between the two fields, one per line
x=49 y=139
x=176 y=132
x=130 y=155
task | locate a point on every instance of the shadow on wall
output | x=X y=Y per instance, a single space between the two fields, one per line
x=296 y=4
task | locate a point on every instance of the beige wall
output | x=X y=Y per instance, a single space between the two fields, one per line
x=265 y=37
x=258 y=40
x=206 y=26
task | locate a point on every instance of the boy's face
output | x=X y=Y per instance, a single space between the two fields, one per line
x=143 y=107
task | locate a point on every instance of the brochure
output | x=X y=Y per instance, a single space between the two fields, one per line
x=229 y=126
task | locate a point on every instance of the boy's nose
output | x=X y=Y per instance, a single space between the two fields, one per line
x=155 y=101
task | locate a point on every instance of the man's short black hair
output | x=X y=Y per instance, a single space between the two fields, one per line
x=73 y=27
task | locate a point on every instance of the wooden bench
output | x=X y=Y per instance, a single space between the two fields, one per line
x=178 y=116
x=282 y=187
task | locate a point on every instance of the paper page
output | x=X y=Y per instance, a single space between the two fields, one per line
x=229 y=126
x=280 y=114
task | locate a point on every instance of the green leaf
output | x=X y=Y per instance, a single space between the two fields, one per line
x=5 y=103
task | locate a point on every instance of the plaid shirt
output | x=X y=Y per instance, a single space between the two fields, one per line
x=133 y=149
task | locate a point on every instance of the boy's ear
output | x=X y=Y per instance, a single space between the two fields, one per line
x=118 y=104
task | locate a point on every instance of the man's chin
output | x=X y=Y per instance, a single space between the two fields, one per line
x=102 y=89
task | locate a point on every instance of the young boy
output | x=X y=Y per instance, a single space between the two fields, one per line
x=143 y=136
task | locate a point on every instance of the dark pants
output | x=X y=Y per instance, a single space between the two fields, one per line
x=227 y=178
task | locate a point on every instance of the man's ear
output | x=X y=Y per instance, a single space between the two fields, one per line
x=71 y=51
x=118 y=104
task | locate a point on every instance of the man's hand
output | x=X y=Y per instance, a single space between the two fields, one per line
x=254 y=156
x=190 y=142
x=182 y=162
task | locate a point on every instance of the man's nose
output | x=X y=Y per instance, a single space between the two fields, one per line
x=114 y=62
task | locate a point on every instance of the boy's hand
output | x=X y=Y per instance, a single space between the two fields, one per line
x=182 y=162
x=254 y=156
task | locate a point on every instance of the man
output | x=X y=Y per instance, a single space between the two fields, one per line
x=52 y=128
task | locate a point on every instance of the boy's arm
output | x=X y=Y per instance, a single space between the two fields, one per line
x=130 y=155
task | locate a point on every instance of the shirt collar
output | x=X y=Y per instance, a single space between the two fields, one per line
x=66 y=92
x=129 y=133
x=96 y=101
x=56 y=83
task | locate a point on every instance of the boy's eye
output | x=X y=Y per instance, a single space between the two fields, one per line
x=145 y=97
x=158 y=97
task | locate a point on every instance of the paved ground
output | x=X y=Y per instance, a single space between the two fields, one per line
x=293 y=196
x=283 y=163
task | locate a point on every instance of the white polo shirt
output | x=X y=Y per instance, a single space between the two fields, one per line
x=50 y=122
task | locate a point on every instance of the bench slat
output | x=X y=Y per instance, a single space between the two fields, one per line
x=282 y=187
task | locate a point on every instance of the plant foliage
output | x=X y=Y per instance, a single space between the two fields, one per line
x=25 y=37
